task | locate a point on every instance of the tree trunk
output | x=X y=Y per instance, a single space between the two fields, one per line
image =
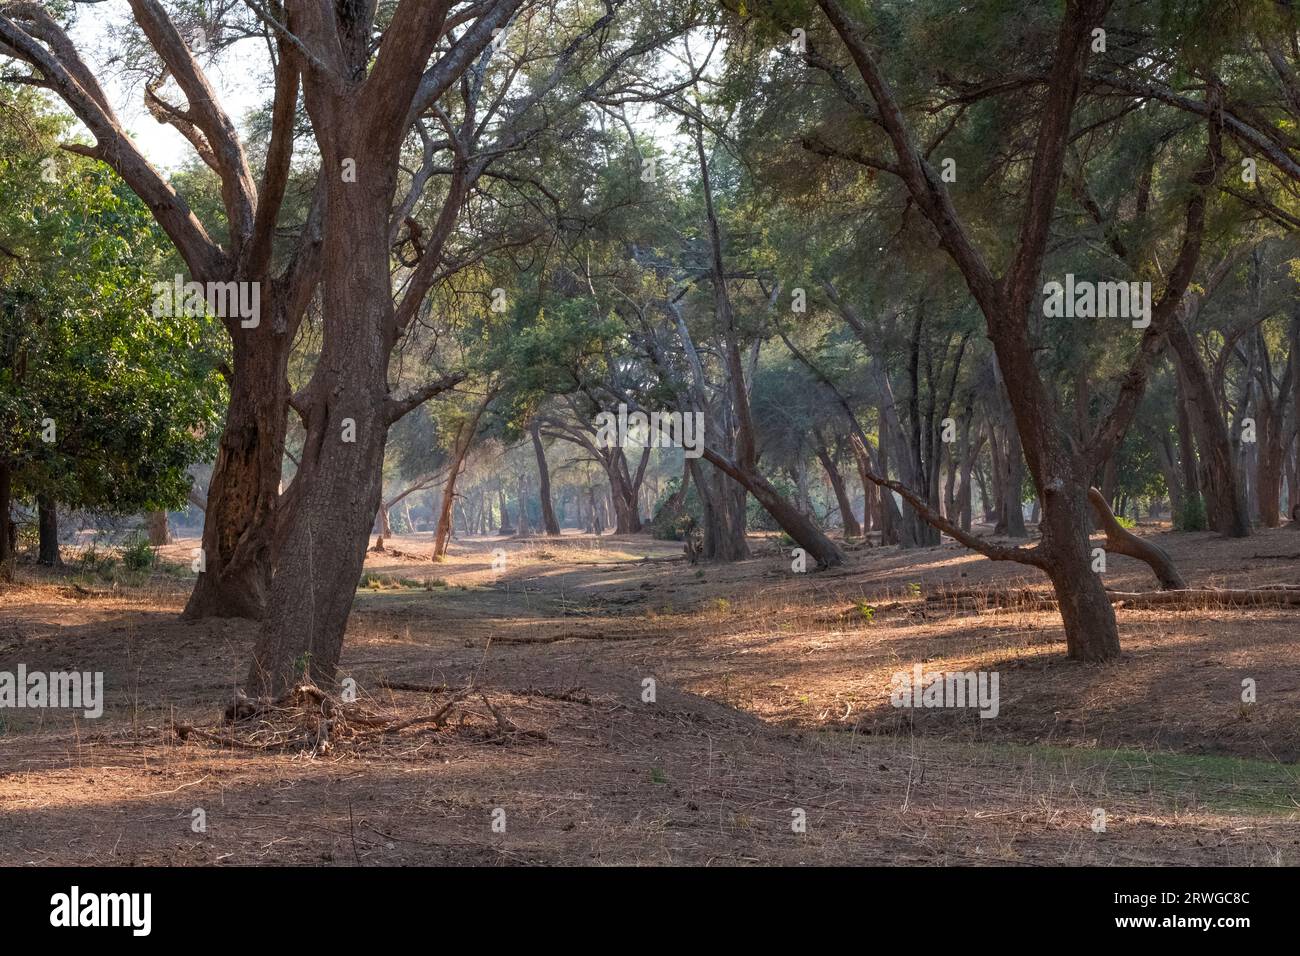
x=505 y=527
x=549 y=521
x=1225 y=504
x=851 y=527
x=1091 y=633
x=1013 y=512
x=797 y=525
x=522 y=526
x=331 y=505
x=385 y=527
x=7 y=535
x=48 y=522
x=160 y=532
x=240 y=520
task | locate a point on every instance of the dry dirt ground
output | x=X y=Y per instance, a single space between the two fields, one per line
x=771 y=702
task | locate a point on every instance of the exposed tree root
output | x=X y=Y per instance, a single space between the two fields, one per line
x=309 y=719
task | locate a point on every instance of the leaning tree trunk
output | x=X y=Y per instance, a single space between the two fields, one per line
x=460 y=449
x=851 y=527
x=793 y=522
x=551 y=525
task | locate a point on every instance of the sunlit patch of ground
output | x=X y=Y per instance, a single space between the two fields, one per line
x=771 y=704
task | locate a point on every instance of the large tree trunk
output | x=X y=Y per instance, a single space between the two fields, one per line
x=48 y=523
x=336 y=493
x=1091 y=633
x=724 y=534
x=549 y=521
x=240 y=519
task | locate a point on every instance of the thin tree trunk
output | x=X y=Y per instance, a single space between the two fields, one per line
x=47 y=512
x=851 y=527
x=1226 y=503
x=549 y=521
x=7 y=529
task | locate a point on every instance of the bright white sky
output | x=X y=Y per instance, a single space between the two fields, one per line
x=237 y=75
x=240 y=76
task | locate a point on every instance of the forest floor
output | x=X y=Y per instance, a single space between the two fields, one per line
x=771 y=697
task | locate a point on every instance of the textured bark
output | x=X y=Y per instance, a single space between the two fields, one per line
x=1121 y=541
x=239 y=525
x=335 y=495
x=160 y=532
x=1225 y=498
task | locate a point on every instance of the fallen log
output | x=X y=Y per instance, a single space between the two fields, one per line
x=1208 y=597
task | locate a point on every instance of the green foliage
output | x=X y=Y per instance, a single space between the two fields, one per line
x=139 y=555
x=130 y=399
x=1191 y=516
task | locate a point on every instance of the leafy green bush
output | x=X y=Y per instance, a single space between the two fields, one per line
x=139 y=555
x=1191 y=517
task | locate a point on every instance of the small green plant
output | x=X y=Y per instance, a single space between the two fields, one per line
x=914 y=588
x=139 y=555
x=657 y=775
x=867 y=611
x=93 y=561
x=723 y=605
